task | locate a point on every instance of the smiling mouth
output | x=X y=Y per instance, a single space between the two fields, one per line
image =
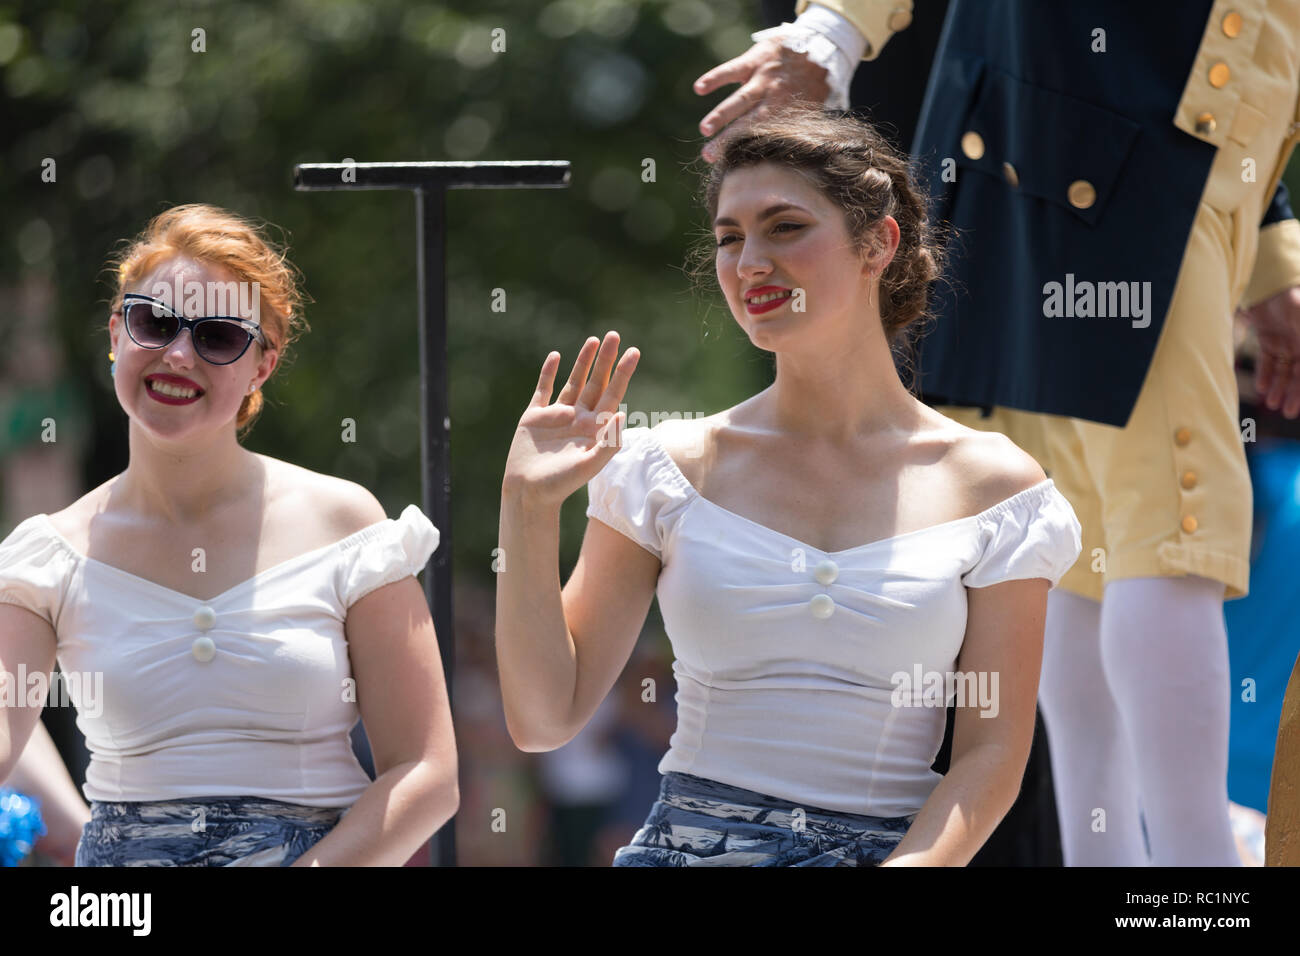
x=768 y=297
x=766 y=302
x=167 y=390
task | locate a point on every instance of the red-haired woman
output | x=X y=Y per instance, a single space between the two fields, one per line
x=228 y=616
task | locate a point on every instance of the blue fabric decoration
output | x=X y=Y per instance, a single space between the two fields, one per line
x=1263 y=636
x=20 y=826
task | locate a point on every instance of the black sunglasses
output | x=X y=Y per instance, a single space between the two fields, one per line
x=218 y=339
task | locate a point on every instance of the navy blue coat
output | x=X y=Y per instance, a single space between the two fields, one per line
x=1023 y=74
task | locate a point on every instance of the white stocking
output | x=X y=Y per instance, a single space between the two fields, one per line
x=1164 y=647
x=1092 y=765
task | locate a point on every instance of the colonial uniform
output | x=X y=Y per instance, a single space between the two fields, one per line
x=1112 y=173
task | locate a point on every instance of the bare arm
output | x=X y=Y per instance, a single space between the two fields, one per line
x=41 y=773
x=1004 y=636
x=402 y=695
x=559 y=650
x=27 y=644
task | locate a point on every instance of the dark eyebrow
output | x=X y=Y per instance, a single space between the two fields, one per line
x=765 y=214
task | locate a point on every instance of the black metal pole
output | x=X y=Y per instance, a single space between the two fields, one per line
x=435 y=438
x=429 y=182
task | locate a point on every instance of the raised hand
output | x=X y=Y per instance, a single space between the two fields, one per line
x=559 y=447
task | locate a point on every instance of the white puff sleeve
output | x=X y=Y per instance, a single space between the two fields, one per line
x=35 y=566
x=639 y=491
x=1034 y=534
x=386 y=552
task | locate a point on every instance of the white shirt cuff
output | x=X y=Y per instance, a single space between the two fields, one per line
x=839 y=30
x=830 y=41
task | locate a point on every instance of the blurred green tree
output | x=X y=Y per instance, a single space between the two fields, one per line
x=142 y=105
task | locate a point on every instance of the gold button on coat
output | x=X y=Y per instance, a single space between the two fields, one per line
x=1205 y=123
x=1182 y=436
x=1009 y=172
x=1232 y=23
x=1189 y=524
x=1219 y=74
x=972 y=144
x=900 y=19
x=1189 y=480
x=1082 y=194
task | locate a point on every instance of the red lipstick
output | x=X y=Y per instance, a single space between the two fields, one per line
x=753 y=309
x=175 y=382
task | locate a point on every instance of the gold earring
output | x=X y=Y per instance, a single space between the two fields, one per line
x=111 y=356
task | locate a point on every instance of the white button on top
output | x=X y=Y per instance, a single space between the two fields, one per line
x=203 y=649
x=826 y=572
x=204 y=618
x=821 y=606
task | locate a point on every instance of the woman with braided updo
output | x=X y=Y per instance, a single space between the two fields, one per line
x=835 y=562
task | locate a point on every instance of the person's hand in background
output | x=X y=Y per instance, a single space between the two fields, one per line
x=811 y=59
x=1276 y=324
x=771 y=75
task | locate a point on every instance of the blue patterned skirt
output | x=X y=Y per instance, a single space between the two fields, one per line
x=698 y=822
x=205 y=831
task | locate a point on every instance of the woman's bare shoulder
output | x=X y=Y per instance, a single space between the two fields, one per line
x=691 y=442
x=989 y=467
x=73 y=522
x=336 y=506
x=310 y=509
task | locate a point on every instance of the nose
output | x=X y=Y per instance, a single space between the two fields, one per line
x=754 y=261
x=179 y=353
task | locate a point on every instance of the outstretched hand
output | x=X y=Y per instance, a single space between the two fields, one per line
x=559 y=447
x=772 y=75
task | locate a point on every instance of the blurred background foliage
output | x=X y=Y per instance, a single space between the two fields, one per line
x=136 y=121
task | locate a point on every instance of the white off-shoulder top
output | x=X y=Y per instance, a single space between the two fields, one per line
x=243 y=694
x=787 y=656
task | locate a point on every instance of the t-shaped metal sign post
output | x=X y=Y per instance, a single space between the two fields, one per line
x=429 y=182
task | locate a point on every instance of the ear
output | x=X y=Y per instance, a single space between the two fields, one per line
x=882 y=246
x=266 y=365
